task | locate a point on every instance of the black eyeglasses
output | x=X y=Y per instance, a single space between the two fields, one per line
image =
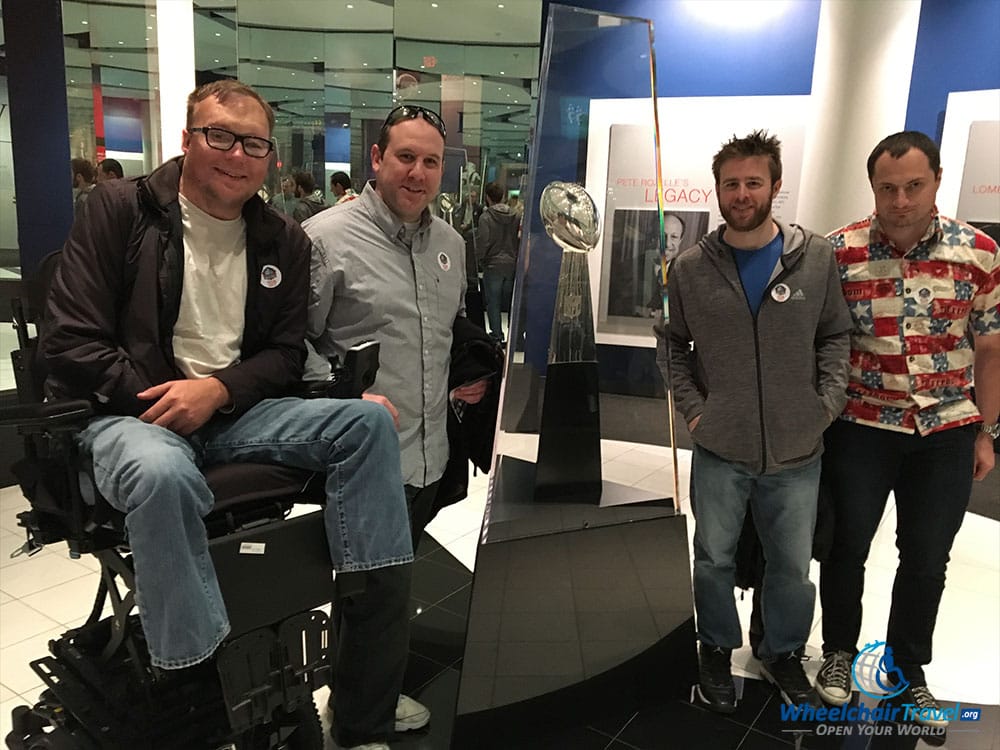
x=223 y=140
x=411 y=112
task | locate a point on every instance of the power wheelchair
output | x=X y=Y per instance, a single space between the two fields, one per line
x=274 y=570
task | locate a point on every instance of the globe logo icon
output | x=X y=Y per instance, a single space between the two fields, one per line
x=875 y=673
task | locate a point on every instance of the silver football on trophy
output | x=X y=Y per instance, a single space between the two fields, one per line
x=570 y=216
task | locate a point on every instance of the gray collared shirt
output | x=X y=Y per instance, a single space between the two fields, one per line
x=367 y=284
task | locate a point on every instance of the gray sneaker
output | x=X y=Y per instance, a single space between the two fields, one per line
x=833 y=683
x=927 y=710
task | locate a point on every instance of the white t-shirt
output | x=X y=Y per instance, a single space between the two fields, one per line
x=209 y=330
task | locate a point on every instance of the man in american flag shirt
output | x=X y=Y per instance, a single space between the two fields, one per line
x=924 y=293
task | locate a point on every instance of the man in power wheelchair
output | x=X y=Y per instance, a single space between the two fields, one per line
x=177 y=315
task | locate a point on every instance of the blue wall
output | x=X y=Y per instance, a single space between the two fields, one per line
x=958 y=49
x=694 y=58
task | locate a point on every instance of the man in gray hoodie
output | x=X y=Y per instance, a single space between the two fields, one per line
x=762 y=304
x=498 y=243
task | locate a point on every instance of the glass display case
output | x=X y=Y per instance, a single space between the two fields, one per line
x=582 y=590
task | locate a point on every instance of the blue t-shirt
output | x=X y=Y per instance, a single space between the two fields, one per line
x=756 y=267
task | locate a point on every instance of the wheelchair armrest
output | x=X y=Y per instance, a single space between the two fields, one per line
x=347 y=380
x=50 y=415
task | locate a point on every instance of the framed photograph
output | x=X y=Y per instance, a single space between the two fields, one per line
x=634 y=279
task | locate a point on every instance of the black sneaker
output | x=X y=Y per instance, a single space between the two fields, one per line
x=926 y=711
x=786 y=674
x=833 y=683
x=715 y=679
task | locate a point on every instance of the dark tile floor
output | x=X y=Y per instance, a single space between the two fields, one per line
x=441 y=591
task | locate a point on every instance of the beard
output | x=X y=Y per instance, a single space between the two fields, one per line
x=754 y=220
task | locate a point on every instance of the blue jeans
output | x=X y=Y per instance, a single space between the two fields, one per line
x=498 y=287
x=784 y=511
x=152 y=475
x=931 y=477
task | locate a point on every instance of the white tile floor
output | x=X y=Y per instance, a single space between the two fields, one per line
x=42 y=596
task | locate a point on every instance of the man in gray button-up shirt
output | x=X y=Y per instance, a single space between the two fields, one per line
x=384 y=268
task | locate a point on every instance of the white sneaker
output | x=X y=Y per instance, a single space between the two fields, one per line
x=410 y=714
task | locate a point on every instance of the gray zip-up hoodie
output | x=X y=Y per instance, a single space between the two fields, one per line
x=765 y=387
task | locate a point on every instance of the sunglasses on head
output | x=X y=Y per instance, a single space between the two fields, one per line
x=411 y=112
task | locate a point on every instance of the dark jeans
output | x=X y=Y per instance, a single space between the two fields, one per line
x=498 y=288
x=931 y=477
x=369 y=650
x=372 y=636
x=784 y=510
x=420 y=502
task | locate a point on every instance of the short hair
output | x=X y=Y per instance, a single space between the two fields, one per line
x=340 y=178
x=223 y=90
x=898 y=144
x=305 y=180
x=112 y=166
x=494 y=192
x=84 y=168
x=757 y=143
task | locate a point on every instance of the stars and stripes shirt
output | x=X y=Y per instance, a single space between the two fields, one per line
x=914 y=316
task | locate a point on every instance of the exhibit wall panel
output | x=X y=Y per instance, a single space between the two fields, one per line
x=955 y=196
x=692 y=129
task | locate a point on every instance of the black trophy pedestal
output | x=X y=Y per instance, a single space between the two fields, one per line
x=569 y=442
x=576 y=610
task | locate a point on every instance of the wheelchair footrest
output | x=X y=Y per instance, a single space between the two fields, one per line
x=264 y=670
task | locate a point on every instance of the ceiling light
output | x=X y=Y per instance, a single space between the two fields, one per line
x=500 y=5
x=216 y=61
x=218 y=33
x=267 y=56
x=475 y=83
x=121 y=42
x=434 y=5
x=149 y=28
x=501 y=72
x=350 y=7
x=85 y=23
